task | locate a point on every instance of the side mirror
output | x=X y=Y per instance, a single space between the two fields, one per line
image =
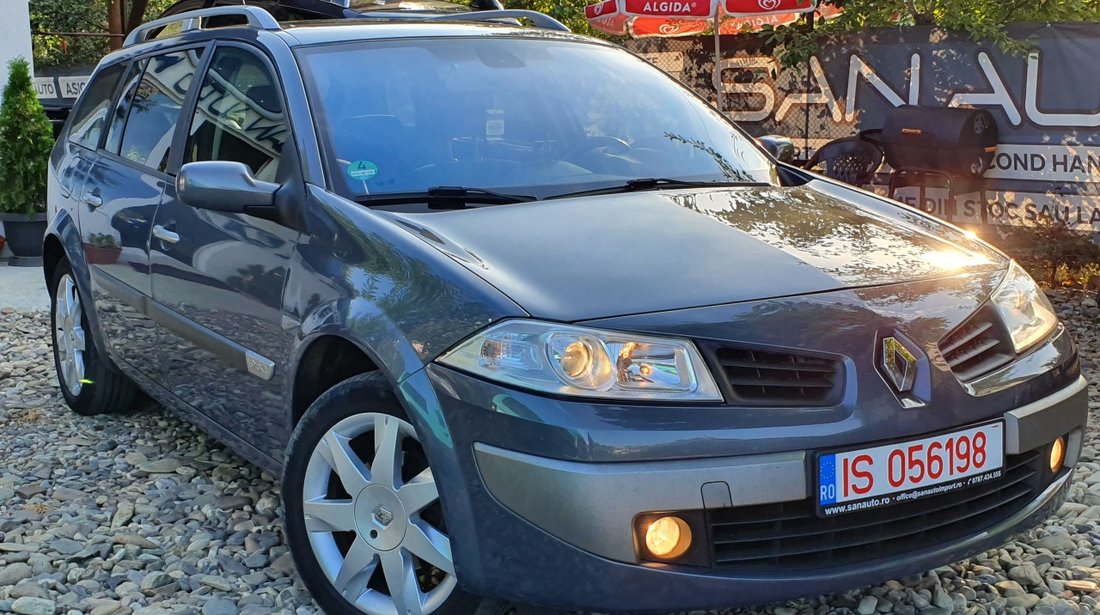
x=781 y=148
x=223 y=186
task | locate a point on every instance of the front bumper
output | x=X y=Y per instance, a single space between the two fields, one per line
x=560 y=533
x=593 y=506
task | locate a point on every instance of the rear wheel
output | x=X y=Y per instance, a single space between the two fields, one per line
x=363 y=516
x=89 y=384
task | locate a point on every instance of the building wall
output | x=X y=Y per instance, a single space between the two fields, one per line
x=15 y=40
x=15 y=34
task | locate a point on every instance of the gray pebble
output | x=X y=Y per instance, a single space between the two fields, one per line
x=33 y=606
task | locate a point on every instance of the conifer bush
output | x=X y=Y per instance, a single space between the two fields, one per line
x=26 y=138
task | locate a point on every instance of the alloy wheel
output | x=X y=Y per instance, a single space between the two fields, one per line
x=370 y=532
x=69 y=335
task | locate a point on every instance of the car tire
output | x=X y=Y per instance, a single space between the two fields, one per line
x=346 y=509
x=89 y=383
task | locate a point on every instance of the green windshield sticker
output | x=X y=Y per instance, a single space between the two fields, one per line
x=362 y=170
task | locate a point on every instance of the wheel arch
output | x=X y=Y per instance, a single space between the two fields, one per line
x=356 y=335
x=62 y=243
x=406 y=380
x=324 y=360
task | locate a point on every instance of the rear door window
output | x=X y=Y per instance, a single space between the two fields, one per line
x=90 y=117
x=151 y=106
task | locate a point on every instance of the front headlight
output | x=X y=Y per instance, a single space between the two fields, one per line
x=583 y=362
x=1024 y=308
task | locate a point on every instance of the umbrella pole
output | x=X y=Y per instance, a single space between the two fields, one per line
x=717 y=77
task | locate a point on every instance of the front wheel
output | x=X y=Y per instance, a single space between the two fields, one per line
x=363 y=516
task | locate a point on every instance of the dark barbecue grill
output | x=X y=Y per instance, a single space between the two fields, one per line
x=951 y=141
x=954 y=145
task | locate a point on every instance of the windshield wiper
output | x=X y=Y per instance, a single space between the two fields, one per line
x=447 y=197
x=656 y=183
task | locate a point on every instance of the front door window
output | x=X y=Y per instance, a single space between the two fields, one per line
x=240 y=115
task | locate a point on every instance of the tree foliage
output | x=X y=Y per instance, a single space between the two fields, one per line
x=982 y=20
x=81 y=16
x=569 y=12
x=26 y=139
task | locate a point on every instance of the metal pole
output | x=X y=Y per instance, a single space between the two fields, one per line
x=116 y=22
x=806 y=121
x=806 y=124
x=717 y=77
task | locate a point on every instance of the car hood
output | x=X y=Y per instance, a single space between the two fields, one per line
x=596 y=257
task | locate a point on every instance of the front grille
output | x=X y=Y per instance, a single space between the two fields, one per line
x=790 y=535
x=779 y=379
x=978 y=346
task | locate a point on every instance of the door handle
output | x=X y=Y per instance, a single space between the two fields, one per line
x=92 y=199
x=165 y=235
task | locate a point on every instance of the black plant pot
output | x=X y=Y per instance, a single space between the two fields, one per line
x=24 y=235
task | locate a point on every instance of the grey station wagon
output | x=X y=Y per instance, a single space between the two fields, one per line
x=517 y=316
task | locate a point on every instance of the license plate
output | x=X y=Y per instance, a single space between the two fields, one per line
x=867 y=478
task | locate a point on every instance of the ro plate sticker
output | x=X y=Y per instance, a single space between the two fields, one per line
x=362 y=170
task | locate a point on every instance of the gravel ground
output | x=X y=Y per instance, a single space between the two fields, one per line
x=144 y=514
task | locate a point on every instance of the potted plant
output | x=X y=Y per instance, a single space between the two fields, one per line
x=26 y=138
x=102 y=249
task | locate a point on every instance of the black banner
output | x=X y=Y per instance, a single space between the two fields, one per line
x=1046 y=104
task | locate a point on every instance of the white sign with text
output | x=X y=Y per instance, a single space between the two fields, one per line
x=1052 y=163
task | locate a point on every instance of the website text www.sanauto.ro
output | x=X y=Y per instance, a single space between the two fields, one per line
x=915 y=494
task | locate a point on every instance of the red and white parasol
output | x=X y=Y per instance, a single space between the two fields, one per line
x=755 y=23
x=642 y=18
x=646 y=18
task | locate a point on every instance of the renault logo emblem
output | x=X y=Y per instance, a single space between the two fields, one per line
x=382 y=516
x=899 y=364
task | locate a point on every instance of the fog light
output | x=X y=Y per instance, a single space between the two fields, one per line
x=668 y=537
x=1057 y=454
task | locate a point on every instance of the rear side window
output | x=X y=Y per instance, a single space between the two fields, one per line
x=90 y=116
x=151 y=106
x=122 y=108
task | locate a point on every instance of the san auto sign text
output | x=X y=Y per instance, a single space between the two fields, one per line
x=1063 y=174
x=843 y=108
x=1061 y=163
x=1022 y=208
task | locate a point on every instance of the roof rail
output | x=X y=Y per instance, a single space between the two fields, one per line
x=192 y=20
x=539 y=20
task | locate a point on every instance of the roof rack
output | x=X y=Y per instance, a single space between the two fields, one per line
x=539 y=20
x=192 y=20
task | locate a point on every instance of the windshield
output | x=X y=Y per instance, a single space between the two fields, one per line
x=537 y=117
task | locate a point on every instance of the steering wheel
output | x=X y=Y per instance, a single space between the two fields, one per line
x=599 y=142
x=486 y=167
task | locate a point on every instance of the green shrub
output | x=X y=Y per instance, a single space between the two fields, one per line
x=26 y=138
x=1053 y=253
